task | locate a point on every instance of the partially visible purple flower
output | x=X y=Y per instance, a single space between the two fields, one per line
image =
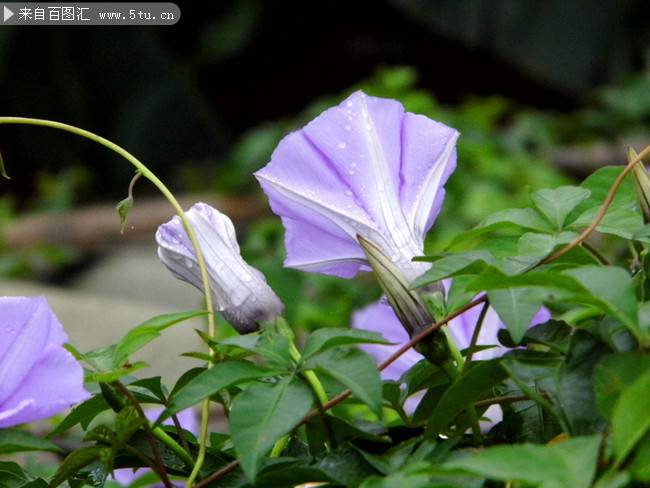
x=239 y=290
x=379 y=317
x=38 y=377
x=188 y=421
x=363 y=167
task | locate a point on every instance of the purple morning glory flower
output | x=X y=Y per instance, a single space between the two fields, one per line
x=188 y=421
x=363 y=167
x=239 y=290
x=38 y=377
x=379 y=317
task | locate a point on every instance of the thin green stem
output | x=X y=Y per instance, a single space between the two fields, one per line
x=160 y=465
x=188 y=228
x=169 y=441
x=455 y=374
x=309 y=375
x=475 y=335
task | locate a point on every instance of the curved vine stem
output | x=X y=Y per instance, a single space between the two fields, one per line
x=147 y=173
x=603 y=210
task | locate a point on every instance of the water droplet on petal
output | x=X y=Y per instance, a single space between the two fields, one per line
x=348 y=127
x=351 y=172
x=246 y=277
x=349 y=104
x=342 y=145
x=348 y=193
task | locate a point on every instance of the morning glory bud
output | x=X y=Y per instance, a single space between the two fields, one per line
x=407 y=304
x=239 y=291
x=641 y=184
x=365 y=167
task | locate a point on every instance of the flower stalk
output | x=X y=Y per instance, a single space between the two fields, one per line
x=148 y=174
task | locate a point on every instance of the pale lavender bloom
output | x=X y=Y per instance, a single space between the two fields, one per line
x=379 y=317
x=188 y=421
x=239 y=290
x=38 y=377
x=363 y=167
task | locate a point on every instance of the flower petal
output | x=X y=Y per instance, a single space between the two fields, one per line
x=354 y=170
x=27 y=326
x=53 y=384
x=379 y=317
x=428 y=159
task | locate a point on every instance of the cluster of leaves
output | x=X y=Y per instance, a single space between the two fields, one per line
x=574 y=391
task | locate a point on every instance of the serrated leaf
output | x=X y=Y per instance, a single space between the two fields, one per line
x=18 y=440
x=210 y=381
x=323 y=339
x=260 y=415
x=356 y=370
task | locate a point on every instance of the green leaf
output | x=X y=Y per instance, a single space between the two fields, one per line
x=516 y=308
x=127 y=422
x=82 y=414
x=260 y=415
x=143 y=334
x=630 y=418
x=621 y=222
x=608 y=288
x=356 y=370
x=473 y=385
x=512 y=218
x=613 y=286
x=114 y=374
x=3 y=170
x=77 y=460
x=569 y=464
x=613 y=373
x=575 y=388
x=327 y=338
x=557 y=204
x=18 y=440
x=471 y=262
x=640 y=466
x=270 y=345
x=541 y=245
x=210 y=381
x=123 y=208
x=599 y=183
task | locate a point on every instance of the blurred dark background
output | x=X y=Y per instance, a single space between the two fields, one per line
x=183 y=95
